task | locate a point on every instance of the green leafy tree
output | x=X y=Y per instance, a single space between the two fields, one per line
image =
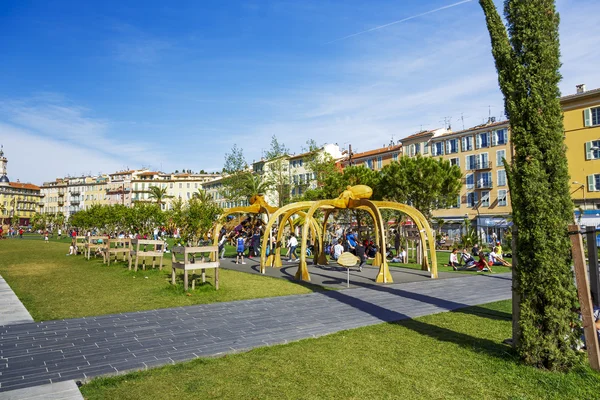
x=159 y=194
x=236 y=174
x=276 y=170
x=527 y=58
x=197 y=219
x=426 y=183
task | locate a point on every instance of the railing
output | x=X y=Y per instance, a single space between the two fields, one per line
x=484 y=184
x=483 y=165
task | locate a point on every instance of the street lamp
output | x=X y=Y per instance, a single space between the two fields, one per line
x=582 y=187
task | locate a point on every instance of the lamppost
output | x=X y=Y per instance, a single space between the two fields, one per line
x=582 y=187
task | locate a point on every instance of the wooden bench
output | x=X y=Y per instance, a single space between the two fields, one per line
x=147 y=248
x=97 y=243
x=194 y=258
x=448 y=244
x=116 y=247
x=79 y=242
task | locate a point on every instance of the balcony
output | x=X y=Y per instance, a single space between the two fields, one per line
x=41 y=204
x=484 y=184
x=483 y=165
x=75 y=202
x=61 y=194
x=75 y=192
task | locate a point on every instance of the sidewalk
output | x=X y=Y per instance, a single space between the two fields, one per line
x=12 y=312
x=39 y=353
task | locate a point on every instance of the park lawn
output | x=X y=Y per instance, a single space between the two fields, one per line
x=52 y=285
x=443 y=257
x=452 y=355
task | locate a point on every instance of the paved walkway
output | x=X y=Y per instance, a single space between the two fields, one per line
x=333 y=275
x=39 y=353
x=12 y=312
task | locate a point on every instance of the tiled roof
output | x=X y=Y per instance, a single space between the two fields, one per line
x=418 y=135
x=578 y=95
x=377 y=151
x=148 y=173
x=20 y=185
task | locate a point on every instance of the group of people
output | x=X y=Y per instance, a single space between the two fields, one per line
x=483 y=263
x=11 y=232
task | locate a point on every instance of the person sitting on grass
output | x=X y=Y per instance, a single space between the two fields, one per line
x=483 y=265
x=495 y=258
x=72 y=250
x=401 y=257
x=453 y=259
x=467 y=259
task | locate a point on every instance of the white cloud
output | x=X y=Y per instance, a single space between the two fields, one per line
x=36 y=159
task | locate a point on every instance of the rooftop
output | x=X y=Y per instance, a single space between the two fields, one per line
x=19 y=185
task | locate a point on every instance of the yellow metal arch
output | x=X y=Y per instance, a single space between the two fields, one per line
x=422 y=226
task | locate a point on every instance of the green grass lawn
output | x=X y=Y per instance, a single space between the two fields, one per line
x=453 y=355
x=52 y=285
x=443 y=257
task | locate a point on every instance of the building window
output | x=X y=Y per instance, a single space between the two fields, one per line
x=379 y=162
x=500 y=154
x=592 y=116
x=171 y=185
x=485 y=199
x=593 y=183
x=502 y=197
x=482 y=161
x=485 y=180
x=425 y=148
x=501 y=177
x=395 y=157
x=482 y=140
x=470 y=181
x=417 y=148
x=180 y=185
x=471 y=199
x=437 y=149
x=592 y=150
x=369 y=163
x=455 y=161
x=470 y=162
x=451 y=146
x=499 y=137
x=467 y=143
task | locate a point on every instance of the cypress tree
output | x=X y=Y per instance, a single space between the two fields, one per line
x=527 y=58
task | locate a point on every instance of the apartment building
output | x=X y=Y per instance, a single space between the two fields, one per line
x=18 y=201
x=374 y=159
x=177 y=185
x=302 y=177
x=582 y=138
x=484 y=197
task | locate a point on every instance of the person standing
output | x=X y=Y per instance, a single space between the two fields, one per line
x=397 y=241
x=222 y=246
x=360 y=253
x=338 y=249
x=240 y=250
x=292 y=244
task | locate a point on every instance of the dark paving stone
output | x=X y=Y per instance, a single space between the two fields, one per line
x=35 y=353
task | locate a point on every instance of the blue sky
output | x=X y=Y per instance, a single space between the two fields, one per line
x=94 y=86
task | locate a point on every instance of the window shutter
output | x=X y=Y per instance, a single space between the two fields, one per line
x=488 y=138
x=588 y=151
x=477 y=141
x=587 y=117
x=494 y=138
x=591 y=183
x=447 y=147
x=426 y=148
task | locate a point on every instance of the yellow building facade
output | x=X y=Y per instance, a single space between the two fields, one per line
x=582 y=138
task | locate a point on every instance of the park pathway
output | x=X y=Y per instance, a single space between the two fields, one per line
x=38 y=353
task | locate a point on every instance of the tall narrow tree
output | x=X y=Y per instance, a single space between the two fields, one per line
x=527 y=60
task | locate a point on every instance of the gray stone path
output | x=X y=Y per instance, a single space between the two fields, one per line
x=39 y=353
x=333 y=275
x=12 y=311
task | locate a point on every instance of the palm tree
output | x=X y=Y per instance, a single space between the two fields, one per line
x=202 y=196
x=257 y=184
x=159 y=194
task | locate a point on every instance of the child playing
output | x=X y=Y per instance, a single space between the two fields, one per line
x=240 y=249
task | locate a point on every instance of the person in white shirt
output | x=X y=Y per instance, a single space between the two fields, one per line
x=338 y=249
x=453 y=259
x=496 y=259
x=292 y=244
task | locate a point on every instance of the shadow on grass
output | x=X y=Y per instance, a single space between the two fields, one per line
x=490 y=347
